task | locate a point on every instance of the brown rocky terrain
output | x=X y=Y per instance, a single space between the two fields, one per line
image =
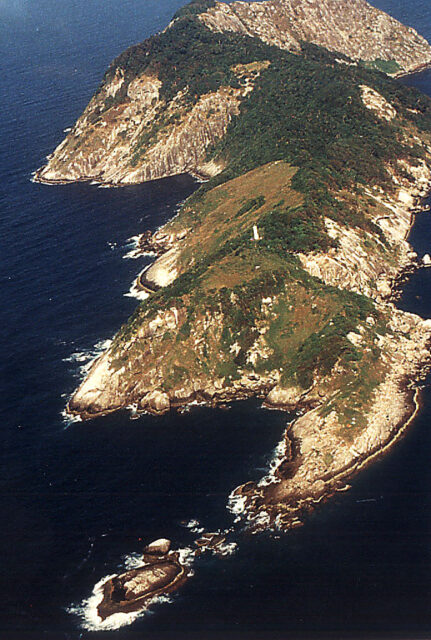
x=355 y=28
x=100 y=145
x=105 y=143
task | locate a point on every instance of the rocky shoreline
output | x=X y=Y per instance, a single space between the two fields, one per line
x=253 y=506
x=161 y=571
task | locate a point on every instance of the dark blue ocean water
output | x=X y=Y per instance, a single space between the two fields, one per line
x=75 y=500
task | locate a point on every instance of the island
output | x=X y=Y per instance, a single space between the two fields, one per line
x=277 y=277
x=160 y=573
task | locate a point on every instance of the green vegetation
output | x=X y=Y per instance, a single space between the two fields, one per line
x=294 y=229
x=189 y=55
x=308 y=111
x=391 y=67
x=251 y=205
x=305 y=109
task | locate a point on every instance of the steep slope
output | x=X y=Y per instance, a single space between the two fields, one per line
x=353 y=28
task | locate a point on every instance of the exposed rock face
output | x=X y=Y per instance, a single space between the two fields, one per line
x=351 y=27
x=199 y=340
x=351 y=265
x=158 y=547
x=102 y=150
x=128 y=134
x=377 y=103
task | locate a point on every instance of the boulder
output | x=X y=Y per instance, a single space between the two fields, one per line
x=383 y=287
x=284 y=398
x=159 y=547
x=133 y=590
x=184 y=395
x=156 y=402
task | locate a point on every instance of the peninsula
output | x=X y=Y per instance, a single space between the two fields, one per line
x=276 y=278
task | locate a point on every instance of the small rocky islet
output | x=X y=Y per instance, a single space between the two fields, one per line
x=161 y=574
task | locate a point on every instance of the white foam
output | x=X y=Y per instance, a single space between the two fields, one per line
x=195 y=526
x=194 y=403
x=133 y=561
x=278 y=455
x=262 y=519
x=135 y=251
x=68 y=419
x=135 y=414
x=136 y=292
x=186 y=557
x=236 y=505
x=226 y=548
x=86 y=358
x=87 y=609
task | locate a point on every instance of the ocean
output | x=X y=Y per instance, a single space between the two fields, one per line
x=79 y=500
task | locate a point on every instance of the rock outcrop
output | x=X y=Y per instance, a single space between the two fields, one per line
x=327 y=453
x=130 y=134
x=103 y=150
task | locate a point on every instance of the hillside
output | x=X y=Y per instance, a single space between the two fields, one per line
x=274 y=280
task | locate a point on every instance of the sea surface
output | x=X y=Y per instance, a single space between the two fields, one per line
x=79 y=500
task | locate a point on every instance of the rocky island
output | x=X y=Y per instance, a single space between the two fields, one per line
x=276 y=277
x=161 y=573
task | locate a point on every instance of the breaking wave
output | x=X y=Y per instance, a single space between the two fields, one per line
x=194 y=526
x=85 y=359
x=82 y=362
x=136 y=292
x=86 y=611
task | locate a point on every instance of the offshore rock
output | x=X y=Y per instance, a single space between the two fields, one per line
x=158 y=547
x=133 y=590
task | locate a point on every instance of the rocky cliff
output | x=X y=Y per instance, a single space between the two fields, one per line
x=100 y=147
